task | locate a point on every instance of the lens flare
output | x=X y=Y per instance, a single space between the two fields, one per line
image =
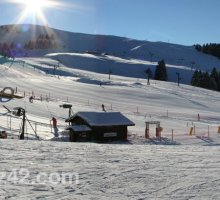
x=35 y=8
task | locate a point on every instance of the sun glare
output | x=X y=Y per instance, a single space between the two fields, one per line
x=30 y=10
x=34 y=8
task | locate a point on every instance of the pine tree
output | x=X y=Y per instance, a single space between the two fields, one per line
x=204 y=80
x=195 y=81
x=161 y=72
x=215 y=76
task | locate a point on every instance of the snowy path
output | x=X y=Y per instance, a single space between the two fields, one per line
x=112 y=171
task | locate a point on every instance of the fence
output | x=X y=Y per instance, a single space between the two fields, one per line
x=206 y=119
x=12 y=125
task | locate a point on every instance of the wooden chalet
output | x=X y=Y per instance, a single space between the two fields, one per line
x=98 y=126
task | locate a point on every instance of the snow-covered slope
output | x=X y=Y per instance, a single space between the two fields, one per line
x=177 y=166
x=176 y=107
x=108 y=171
x=123 y=56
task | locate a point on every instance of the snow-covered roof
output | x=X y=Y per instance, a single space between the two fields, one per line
x=79 y=128
x=103 y=118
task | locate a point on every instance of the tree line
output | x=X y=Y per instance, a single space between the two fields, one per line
x=5 y=49
x=205 y=80
x=44 y=41
x=212 y=49
x=199 y=79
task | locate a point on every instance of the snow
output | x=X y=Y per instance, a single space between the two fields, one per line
x=111 y=171
x=120 y=55
x=176 y=107
x=178 y=167
x=79 y=128
x=138 y=169
x=103 y=118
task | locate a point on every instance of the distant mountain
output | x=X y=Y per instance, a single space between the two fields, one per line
x=35 y=40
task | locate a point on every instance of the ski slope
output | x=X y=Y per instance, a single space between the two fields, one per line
x=186 y=167
x=109 y=171
x=175 y=107
x=123 y=56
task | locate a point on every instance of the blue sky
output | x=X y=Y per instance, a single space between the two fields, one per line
x=177 y=21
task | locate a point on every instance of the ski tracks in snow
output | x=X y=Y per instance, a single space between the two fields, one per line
x=119 y=171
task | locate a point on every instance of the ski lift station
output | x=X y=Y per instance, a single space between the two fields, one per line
x=98 y=126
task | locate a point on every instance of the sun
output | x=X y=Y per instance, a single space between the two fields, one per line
x=37 y=10
x=34 y=8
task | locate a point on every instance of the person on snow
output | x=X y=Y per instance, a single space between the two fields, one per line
x=54 y=125
x=103 y=108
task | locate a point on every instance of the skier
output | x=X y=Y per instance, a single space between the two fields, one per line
x=54 y=120
x=103 y=108
x=54 y=125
